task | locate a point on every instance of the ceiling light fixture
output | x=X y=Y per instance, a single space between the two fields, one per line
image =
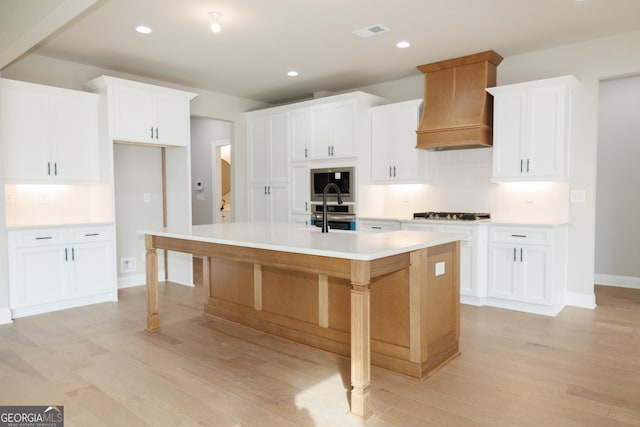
x=292 y=73
x=143 y=29
x=403 y=44
x=215 y=21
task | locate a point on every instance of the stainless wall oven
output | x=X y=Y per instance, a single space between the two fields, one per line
x=339 y=217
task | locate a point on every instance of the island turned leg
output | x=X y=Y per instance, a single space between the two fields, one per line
x=151 y=260
x=360 y=340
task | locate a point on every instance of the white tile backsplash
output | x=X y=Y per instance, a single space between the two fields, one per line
x=460 y=180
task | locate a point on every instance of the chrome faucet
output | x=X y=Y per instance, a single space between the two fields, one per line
x=325 y=225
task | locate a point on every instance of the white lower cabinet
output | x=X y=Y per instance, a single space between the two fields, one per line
x=57 y=268
x=473 y=254
x=527 y=268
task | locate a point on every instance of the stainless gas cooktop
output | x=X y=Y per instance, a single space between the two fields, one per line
x=452 y=216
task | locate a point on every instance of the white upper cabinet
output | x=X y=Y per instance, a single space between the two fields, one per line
x=49 y=134
x=332 y=127
x=531 y=130
x=147 y=114
x=394 y=156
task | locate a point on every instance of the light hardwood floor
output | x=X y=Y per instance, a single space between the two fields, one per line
x=581 y=368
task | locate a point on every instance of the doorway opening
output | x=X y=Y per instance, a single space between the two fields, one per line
x=211 y=170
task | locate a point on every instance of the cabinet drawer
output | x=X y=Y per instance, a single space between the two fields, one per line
x=92 y=234
x=540 y=236
x=31 y=238
x=377 y=226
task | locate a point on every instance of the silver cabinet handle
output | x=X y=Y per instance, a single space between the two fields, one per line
x=521 y=165
x=514 y=255
x=269 y=190
x=389 y=171
x=55 y=168
x=328 y=150
x=306 y=206
x=151 y=130
x=66 y=254
x=394 y=171
x=156 y=133
x=520 y=254
x=44 y=238
x=527 y=165
x=519 y=235
x=49 y=168
x=73 y=254
x=306 y=152
x=265 y=190
x=376 y=227
x=91 y=234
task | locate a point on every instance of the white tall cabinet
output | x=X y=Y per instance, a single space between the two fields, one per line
x=268 y=160
x=531 y=130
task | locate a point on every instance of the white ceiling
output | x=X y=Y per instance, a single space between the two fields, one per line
x=261 y=40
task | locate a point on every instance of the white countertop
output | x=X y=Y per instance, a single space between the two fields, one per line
x=309 y=240
x=491 y=221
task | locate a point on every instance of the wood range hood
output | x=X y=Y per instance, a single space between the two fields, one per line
x=458 y=111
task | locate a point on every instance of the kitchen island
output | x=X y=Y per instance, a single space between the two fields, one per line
x=387 y=299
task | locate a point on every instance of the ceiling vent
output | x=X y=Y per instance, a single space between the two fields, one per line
x=371 y=31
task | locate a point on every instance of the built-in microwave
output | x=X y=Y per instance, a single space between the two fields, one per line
x=343 y=177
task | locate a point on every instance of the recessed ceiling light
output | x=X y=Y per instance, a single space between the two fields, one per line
x=403 y=44
x=215 y=21
x=143 y=29
x=292 y=73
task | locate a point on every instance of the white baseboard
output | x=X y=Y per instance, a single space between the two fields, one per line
x=575 y=299
x=620 y=281
x=141 y=280
x=5 y=316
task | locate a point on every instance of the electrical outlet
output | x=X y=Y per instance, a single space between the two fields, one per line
x=128 y=265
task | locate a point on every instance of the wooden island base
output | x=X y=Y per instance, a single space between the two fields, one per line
x=413 y=313
x=399 y=312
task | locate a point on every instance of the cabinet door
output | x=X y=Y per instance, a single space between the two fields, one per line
x=92 y=268
x=300 y=134
x=320 y=131
x=503 y=271
x=342 y=122
x=40 y=276
x=405 y=152
x=258 y=203
x=545 y=146
x=278 y=154
x=278 y=195
x=509 y=135
x=382 y=155
x=257 y=148
x=132 y=115
x=535 y=275
x=75 y=137
x=300 y=188
x=26 y=133
x=171 y=120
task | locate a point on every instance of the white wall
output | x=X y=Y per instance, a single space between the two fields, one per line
x=618 y=202
x=5 y=314
x=203 y=132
